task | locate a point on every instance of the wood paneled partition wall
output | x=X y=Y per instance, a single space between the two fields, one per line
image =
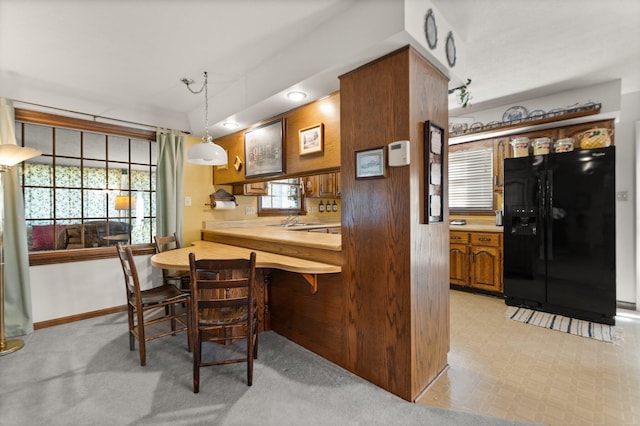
x=395 y=268
x=385 y=317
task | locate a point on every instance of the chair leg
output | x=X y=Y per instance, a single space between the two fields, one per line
x=250 y=352
x=189 y=327
x=132 y=337
x=196 y=363
x=142 y=339
x=172 y=312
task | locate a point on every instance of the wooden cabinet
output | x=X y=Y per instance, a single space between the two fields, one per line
x=255 y=188
x=475 y=260
x=501 y=149
x=323 y=186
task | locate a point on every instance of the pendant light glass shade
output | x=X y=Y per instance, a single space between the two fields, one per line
x=207 y=153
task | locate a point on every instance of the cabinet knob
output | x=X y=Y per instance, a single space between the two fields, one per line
x=484 y=239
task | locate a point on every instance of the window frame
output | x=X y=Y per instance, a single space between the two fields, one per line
x=56 y=121
x=263 y=211
x=468 y=146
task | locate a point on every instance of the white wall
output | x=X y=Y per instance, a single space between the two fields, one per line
x=626 y=211
x=66 y=289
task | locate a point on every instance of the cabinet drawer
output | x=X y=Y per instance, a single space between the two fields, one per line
x=458 y=237
x=485 y=239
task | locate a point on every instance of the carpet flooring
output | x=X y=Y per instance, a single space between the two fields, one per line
x=84 y=374
x=591 y=330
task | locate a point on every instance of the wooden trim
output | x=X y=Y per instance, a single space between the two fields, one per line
x=78 y=317
x=37 y=117
x=80 y=255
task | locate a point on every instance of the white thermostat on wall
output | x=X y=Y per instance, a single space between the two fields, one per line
x=399 y=153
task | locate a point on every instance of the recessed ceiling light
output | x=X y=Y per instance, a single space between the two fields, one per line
x=296 y=96
x=230 y=125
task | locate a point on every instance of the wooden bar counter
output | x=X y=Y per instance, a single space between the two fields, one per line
x=179 y=259
x=287 y=241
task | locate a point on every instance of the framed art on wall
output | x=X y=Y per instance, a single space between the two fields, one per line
x=311 y=139
x=263 y=150
x=370 y=163
x=433 y=149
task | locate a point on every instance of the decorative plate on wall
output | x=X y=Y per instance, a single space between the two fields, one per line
x=536 y=114
x=430 y=29
x=451 y=50
x=515 y=113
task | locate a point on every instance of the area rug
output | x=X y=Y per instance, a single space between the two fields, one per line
x=591 y=330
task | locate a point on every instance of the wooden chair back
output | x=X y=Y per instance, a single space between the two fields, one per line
x=223 y=310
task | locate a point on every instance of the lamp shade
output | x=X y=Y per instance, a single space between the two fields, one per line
x=11 y=154
x=207 y=154
x=125 y=202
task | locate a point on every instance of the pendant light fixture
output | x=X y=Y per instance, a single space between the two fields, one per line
x=205 y=153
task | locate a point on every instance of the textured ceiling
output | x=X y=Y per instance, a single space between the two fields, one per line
x=125 y=59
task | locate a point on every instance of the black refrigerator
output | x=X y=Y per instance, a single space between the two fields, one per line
x=559 y=233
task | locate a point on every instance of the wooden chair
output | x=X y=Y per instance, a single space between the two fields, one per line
x=223 y=310
x=180 y=279
x=152 y=306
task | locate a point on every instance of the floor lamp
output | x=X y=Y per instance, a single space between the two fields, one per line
x=10 y=155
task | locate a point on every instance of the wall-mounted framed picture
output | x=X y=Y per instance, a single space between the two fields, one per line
x=433 y=178
x=371 y=163
x=263 y=150
x=311 y=139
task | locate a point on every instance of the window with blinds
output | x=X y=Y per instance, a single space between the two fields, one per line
x=471 y=179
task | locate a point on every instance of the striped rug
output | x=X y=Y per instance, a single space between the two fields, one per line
x=592 y=330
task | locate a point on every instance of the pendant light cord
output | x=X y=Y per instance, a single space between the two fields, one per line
x=204 y=87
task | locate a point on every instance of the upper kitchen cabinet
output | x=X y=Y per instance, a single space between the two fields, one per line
x=326 y=185
x=322 y=115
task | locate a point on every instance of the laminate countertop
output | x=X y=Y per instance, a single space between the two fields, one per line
x=293 y=235
x=476 y=228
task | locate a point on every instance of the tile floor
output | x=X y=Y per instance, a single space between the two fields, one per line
x=507 y=369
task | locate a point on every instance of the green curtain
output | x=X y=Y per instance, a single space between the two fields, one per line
x=18 y=318
x=169 y=183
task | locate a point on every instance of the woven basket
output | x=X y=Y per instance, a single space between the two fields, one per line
x=595 y=138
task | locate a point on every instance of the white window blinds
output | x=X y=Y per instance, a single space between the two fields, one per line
x=471 y=179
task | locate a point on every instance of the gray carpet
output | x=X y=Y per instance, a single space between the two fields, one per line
x=84 y=374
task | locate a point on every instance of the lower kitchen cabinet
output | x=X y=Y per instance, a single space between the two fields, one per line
x=476 y=260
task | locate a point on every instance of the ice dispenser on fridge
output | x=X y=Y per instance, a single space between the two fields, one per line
x=523 y=220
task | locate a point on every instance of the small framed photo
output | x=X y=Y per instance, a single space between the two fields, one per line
x=370 y=163
x=311 y=139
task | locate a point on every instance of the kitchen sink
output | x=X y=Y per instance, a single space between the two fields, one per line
x=289 y=225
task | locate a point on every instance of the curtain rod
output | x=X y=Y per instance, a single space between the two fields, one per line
x=95 y=117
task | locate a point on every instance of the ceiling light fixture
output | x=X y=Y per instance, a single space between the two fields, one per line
x=230 y=125
x=205 y=153
x=296 y=96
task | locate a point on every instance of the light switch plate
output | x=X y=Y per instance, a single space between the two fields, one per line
x=187 y=201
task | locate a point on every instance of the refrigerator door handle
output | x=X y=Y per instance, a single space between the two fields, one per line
x=548 y=215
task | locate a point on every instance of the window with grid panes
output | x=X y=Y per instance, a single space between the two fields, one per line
x=88 y=189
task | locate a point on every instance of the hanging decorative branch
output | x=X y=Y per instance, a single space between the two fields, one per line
x=464 y=96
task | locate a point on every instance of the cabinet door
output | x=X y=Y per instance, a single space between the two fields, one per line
x=500 y=152
x=310 y=186
x=256 y=188
x=486 y=268
x=459 y=264
x=327 y=185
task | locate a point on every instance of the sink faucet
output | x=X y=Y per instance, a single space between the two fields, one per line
x=291 y=220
